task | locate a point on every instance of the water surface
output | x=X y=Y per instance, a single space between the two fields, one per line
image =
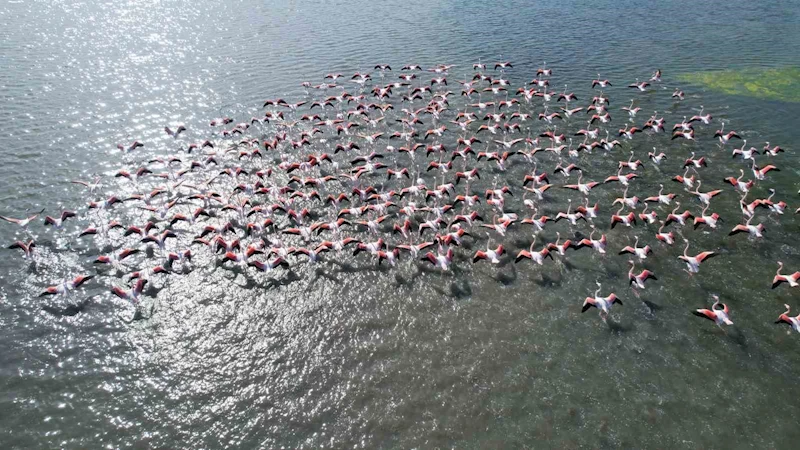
x=484 y=357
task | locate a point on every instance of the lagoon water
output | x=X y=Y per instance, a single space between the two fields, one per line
x=482 y=358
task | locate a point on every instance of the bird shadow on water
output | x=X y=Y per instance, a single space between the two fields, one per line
x=290 y=277
x=651 y=307
x=271 y=283
x=32 y=268
x=69 y=310
x=320 y=272
x=619 y=327
x=152 y=290
x=738 y=338
x=400 y=280
x=346 y=267
x=460 y=290
x=734 y=335
x=549 y=281
x=506 y=277
x=520 y=244
x=568 y=266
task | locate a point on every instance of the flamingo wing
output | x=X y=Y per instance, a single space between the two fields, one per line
x=708 y=314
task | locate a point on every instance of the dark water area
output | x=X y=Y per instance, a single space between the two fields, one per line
x=347 y=354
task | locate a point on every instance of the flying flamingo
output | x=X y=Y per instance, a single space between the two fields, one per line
x=715 y=314
x=638 y=280
x=693 y=262
x=537 y=257
x=603 y=304
x=132 y=295
x=791 y=279
x=793 y=322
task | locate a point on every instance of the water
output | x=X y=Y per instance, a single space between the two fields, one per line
x=354 y=356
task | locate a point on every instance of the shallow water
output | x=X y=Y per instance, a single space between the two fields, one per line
x=347 y=355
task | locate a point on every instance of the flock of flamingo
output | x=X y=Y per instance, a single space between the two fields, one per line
x=306 y=179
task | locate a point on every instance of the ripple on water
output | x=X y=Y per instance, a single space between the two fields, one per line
x=354 y=357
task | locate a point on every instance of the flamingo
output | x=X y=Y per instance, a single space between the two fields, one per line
x=626 y=220
x=656 y=158
x=693 y=262
x=439 y=260
x=639 y=280
x=631 y=164
x=603 y=304
x=685 y=179
x=641 y=86
x=597 y=244
x=742 y=186
x=777 y=208
x=683 y=126
x=176 y=133
x=630 y=202
x=58 y=222
x=572 y=217
x=391 y=257
x=640 y=252
x=754 y=230
x=793 y=322
x=661 y=197
x=116 y=260
x=499 y=227
x=710 y=220
x=91 y=185
x=562 y=248
x=26 y=247
x=148 y=273
x=688 y=135
x=705 y=197
x=314 y=255
x=631 y=110
x=761 y=172
x=715 y=314
x=371 y=247
x=545 y=72
x=589 y=212
x=539 y=191
x=66 y=286
x=537 y=257
x=725 y=138
x=133 y=294
x=667 y=238
x=583 y=188
x=537 y=222
x=678 y=218
x=746 y=153
x=493 y=255
x=24 y=222
x=622 y=179
x=790 y=279
x=772 y=151
x=269 y=266
x=696 y=163
x=600 y=82
x=414 y=249
x=706 y=119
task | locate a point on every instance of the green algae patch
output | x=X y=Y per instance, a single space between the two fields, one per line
x=781 y=83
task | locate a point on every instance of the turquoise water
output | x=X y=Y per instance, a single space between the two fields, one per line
x=346 y=355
